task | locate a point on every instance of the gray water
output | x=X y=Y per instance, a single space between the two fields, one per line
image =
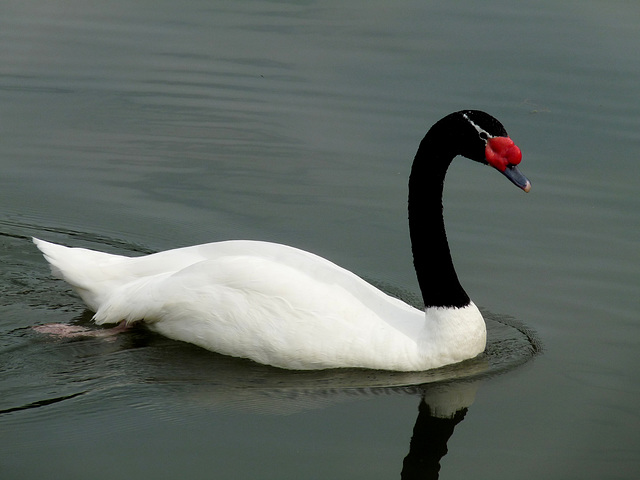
x=134 y=127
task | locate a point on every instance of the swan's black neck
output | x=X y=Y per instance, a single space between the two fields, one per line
x=431 y=256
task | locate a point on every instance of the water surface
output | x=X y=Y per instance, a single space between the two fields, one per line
x=136 y=127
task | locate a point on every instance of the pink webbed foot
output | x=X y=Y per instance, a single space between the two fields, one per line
x=64 y=330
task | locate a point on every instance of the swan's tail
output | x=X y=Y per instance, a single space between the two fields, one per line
x=90 y=273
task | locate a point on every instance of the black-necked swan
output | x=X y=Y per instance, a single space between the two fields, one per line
x=285 y=307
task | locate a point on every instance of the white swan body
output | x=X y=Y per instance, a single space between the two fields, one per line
x=271 y=303
x=285 y=307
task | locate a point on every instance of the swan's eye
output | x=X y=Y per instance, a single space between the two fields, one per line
x=484 y=136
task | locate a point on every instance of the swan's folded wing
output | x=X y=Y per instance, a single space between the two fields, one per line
x=258 y=308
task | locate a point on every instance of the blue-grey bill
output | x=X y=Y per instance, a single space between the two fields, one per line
x=517 y=178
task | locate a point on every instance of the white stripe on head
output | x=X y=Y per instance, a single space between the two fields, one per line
x=478 y=128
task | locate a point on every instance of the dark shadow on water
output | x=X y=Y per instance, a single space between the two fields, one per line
x=41 y=403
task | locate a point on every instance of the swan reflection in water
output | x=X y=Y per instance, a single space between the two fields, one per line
x=442 y=407
x=433 y=429
x=444 y=401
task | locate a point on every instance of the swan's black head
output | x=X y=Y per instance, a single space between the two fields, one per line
x=479 y=137
x=487 y=141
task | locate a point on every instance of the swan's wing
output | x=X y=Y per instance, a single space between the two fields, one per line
x=256 y=307
x=242 y=285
